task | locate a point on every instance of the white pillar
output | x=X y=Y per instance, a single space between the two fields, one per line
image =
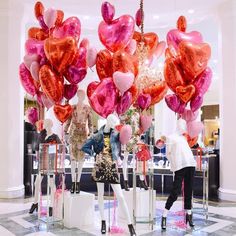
x=11 y=101
x=227 y=17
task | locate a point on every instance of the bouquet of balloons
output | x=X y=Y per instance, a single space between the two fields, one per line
x=54 y=64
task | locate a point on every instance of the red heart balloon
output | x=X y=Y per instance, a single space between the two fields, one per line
x=60 y=52
x=117 y=34
x=37 y=33
x=51 y=83
x=185 y=93
x=134 y=92
x=63 y=112
x=104 y=64
x=173 y=74
x=103 y=96
x=157 y=91
x=194 y=57
x=150 y=41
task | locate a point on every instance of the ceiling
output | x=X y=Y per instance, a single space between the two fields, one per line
x=160 y=17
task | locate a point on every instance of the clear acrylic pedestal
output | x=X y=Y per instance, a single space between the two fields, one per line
x=51 y=164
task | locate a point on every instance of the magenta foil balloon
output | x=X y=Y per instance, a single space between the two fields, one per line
x=108 y=12
x=144 y=101
x=70 y=91
x=32 y=115
x=175 y=104
x=124 y=103
x=196 y=102
x=34 y=46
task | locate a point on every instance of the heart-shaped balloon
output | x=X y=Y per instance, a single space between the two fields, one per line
x=144 y=101
x=123 y=81
x=145 y=122
x=38 y=9
x=60 y=17
x=29 y=59
x=32 y=115
x=46 y=101
x=51 y=84
x=50 y=17
x=39 y=98
x=160 y=49
x=189 y=115
x=194 y=57
x=70 y=91
x=84 y=43
x=124 y=62
x=108 y=12
x=157 y=91
x=182 y=23
x=131 y=47
x=104 y=64
x=194 y=128
x=125 y=134
x=175 y=37
x=103 y=96
x=37 y=33
x=34 y=46
x=124 y=103
x=196 y=102
x=134 y=92
x=185 y=93
x=70 y=27
x=203 y=81
x=91 y=56
x=172 y=74
x=150 y=41
x=122 y=32
x=26 y=80
x=60 y=52
x=191 y=141
x=34 y=70
x=138 y=17
x=63 y=112
x=175 y=104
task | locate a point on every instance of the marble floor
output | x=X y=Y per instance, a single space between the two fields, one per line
x=15 y=221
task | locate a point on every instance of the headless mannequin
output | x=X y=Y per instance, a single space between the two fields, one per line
x=48 y=124
x=111 y=123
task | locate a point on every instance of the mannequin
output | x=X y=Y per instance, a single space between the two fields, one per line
x=48 y=137
x=106 y=146
x=125 y=168
x=79 y=121
x=183 y=165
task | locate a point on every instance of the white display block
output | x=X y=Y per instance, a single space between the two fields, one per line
x=142 y=203
x=79 y=209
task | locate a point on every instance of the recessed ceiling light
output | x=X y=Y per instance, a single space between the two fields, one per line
x=191 y=11
x=156 y=17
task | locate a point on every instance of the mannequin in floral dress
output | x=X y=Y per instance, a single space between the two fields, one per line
x=80 y=127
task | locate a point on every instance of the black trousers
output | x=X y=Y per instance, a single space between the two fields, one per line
x=187 y=175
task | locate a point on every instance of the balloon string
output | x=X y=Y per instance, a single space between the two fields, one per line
x=142 y=19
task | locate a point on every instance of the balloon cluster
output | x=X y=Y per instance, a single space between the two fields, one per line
x=54 y=64
x=186 y=71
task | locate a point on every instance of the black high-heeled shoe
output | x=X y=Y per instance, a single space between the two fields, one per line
x=143 y=185
x=126 y=185
x=77 y=188
x=131 y=230
x=72 y=187
x=163 y=223
x=103 y=227
x=189 y=220
x=33 y=208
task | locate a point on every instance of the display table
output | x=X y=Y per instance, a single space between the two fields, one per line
x=142 y=207
x=79 y=209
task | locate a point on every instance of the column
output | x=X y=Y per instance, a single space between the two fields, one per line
x=227 y=20
x=11 y=101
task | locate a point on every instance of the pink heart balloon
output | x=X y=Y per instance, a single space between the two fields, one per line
x=194 y=128
x=49 y=17
x=131 y=47
x=26 y=80
x=29 y=59
x=34 y=46
x=116 y=35
x=125 y=134
x=196 y=102
x=145 y=122
x=32 y=115
x=175 y=104
x=70 y=27
x=108 y=12
x=144 y=101
x=160 y=49
x=123 y=81
x=103 y=96
x=70 y=91
x=174 y=37
x=34 y=70
x=203 y=81
x=91 y=56
x=84 y=43
x=39 y=98
x=189 y=115
x=124 y=103
x=48 y=103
